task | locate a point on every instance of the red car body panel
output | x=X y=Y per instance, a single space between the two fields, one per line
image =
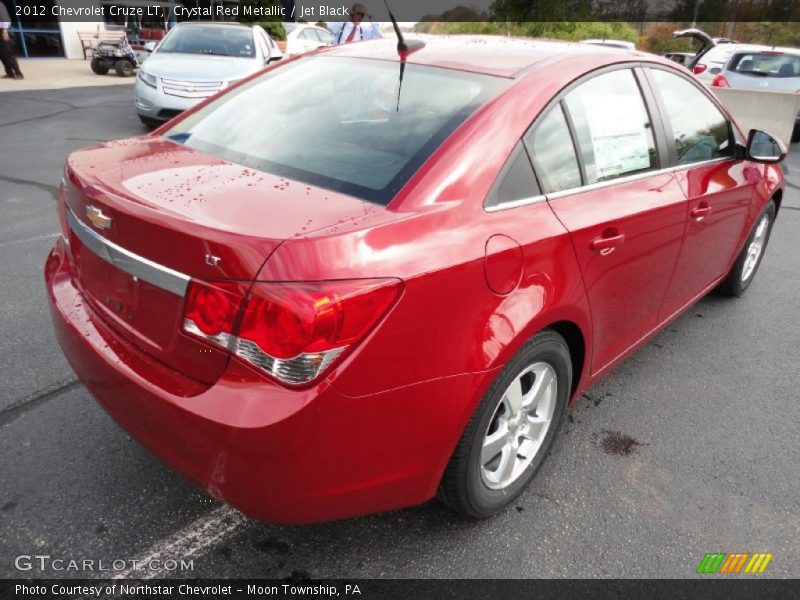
x=626 y=286
x=376 y=432
x=302 y=456
x=721 y=201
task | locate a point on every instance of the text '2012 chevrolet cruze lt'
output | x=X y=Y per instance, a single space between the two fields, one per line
x=358 y=280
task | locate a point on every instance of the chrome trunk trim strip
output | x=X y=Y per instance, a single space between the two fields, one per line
x=133 y=264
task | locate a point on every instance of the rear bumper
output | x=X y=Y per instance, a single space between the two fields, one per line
x=280 y=455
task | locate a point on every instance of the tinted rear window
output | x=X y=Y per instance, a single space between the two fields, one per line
x=337 y=123
x=766 y=64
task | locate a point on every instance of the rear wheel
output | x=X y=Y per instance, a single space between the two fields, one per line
x=123 y=68
x=99 y=67
x=744 y=269
x=507 y=439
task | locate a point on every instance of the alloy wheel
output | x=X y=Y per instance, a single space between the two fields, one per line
x=756 y=248
x=519 y=426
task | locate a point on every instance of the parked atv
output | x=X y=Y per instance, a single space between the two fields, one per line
x=120 y=56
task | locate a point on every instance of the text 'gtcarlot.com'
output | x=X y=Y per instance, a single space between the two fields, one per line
x=45 y=562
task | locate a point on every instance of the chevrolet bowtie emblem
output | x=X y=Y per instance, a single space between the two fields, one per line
x=98 y=219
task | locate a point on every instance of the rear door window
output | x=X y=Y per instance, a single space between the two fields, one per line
x=516 y=182
x=553 y=154
x=700 y=130
x=613 y=130
x=766 y=64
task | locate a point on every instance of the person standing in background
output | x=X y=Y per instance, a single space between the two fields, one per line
x=6 y=54
x=355 y=29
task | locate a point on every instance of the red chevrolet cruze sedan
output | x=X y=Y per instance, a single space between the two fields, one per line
x=340 y=288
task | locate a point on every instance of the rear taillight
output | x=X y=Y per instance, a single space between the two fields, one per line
x=72 y=177
x=699 y=69
x=720 y=81
x=292 y=331
x=211 y=310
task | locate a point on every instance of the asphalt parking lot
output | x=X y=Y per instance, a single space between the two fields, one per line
x=691 y=446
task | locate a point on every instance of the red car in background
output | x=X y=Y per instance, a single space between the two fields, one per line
x=343 y=287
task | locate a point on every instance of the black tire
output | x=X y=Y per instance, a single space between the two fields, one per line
x=124 y=68
x=735 y=283
x=149 y=123
x=796 y=134
x=99 y=67
x=463 y=487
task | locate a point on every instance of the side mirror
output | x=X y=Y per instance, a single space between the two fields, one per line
x=763 y=148
x=151 y=45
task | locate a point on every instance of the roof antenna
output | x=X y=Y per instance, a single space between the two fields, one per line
x=403 y=49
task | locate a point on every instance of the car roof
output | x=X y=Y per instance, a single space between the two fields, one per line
x=748 y=49
x=610 y=42
x=493 y=55
x=730 y=49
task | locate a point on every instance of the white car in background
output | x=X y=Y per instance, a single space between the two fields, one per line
x=621 y=44
x=196 y=60
x=302 y=38
x=712 y=53
x=764 y=69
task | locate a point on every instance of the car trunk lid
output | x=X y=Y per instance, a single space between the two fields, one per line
x=147 y=214
x=705 y=43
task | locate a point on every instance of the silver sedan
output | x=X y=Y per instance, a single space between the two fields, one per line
x=195 y=61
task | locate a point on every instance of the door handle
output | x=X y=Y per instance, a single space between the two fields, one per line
x=607 y=243
x=699 y=212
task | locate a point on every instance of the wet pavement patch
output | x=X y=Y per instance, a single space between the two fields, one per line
x=596 y=400
x=617 y=443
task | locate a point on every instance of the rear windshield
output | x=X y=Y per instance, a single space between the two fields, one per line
x=343 y=124
x=214 y=39
x=766 y=64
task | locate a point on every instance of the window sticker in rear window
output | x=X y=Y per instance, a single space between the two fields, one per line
x=619 y=139
x=612 y=126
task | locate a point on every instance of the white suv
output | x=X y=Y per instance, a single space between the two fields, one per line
x=712 y=54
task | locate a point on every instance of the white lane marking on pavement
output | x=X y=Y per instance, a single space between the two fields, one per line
x=30 y=239
x=189 y=542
